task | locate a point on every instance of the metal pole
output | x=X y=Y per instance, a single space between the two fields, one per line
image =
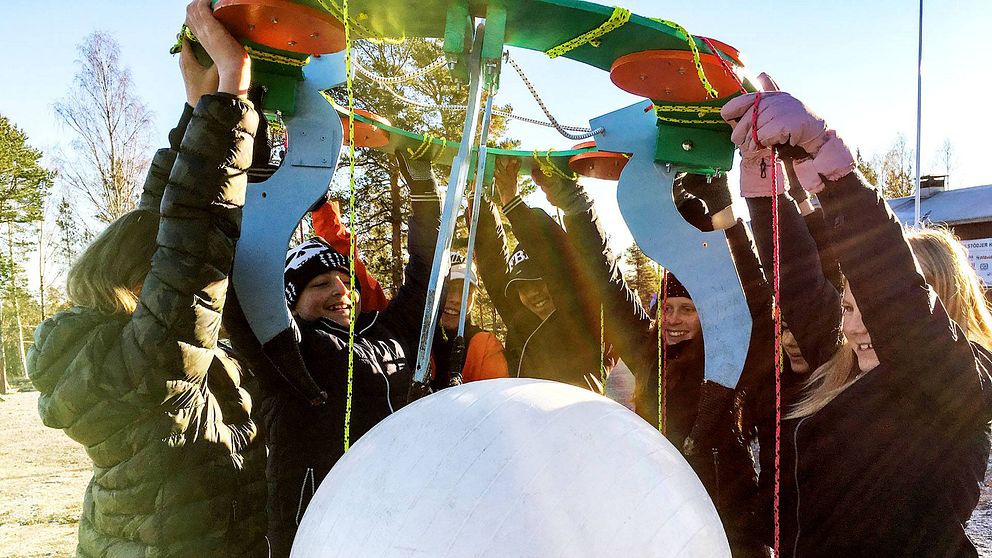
x=919 y=115
x=452 y=203
x=480 y=178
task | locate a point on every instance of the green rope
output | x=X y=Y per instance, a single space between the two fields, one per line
x=351 y=217
x=659 y=321
x=695 y=56
x=602 y=351
x=619 y=17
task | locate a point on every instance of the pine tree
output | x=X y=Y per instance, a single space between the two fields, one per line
x=642 y=275
x=24 y=183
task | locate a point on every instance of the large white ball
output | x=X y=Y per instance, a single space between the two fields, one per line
x=512 y=468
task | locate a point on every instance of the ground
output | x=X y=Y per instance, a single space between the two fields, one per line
x=43 y=474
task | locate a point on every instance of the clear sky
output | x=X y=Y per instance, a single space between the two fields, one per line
x=854 y=62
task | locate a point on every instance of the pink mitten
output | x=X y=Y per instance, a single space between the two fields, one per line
x=782 y=120
x=833 y=161
x=756 y=174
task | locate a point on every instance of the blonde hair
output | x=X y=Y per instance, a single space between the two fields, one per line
x=944 y=264
x=108 y=275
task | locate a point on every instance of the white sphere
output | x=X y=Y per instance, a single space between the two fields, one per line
x=512 y=468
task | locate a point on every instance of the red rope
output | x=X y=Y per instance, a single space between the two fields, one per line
x=777 y=319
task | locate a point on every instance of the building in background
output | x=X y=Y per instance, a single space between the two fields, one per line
x=968 y=211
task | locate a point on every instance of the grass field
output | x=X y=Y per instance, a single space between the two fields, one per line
x=43 y=475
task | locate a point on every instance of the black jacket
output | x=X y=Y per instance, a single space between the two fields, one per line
x=722 y=462
x=304 y=441
x=566 y=346
x=893 y=465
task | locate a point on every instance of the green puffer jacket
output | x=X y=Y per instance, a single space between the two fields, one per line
x=178 y=469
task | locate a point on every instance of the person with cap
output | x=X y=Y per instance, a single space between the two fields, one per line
x=671 y=392
x=306 y=441
x=482 y=355
x=552 y=319
x=326 y=216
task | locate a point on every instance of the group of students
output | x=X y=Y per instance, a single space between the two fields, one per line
x=199 y=449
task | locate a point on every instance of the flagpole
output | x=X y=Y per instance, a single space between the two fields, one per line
x=919 y=114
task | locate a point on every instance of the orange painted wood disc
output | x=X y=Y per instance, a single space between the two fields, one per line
x=366 y=135
x=730 y=51
x=282 y=24
x=604 y=165
x=670 y=76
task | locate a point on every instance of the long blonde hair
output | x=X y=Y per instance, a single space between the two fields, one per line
x=944 y=263
x=108 y=275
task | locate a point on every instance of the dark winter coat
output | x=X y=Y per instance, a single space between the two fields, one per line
x=305 y=441
x=565 y=347
x=722 y=460
x=893 y=465
x=157 y=404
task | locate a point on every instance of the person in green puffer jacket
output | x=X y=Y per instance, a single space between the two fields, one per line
x=133 y=371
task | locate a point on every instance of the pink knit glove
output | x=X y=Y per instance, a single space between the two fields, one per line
x=756 y=174
x=784 y=120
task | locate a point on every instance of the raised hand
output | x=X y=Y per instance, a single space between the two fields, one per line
x=232 y=62
x=779 y=119
x=199 y=81
x=507 y=169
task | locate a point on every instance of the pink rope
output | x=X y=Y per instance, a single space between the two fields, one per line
x=777 y=319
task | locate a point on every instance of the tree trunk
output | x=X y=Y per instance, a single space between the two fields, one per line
x=17 y=306
x=3 y=353
x=41 y=267
x=396 y=215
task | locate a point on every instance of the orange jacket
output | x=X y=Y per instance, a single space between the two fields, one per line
x=484 y=358
x=327 y=224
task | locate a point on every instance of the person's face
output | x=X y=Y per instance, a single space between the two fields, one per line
x=535 y=297
x=791 y=348
x=856 y=332
x=681 y=322
x=453 y=304
x=327 y=296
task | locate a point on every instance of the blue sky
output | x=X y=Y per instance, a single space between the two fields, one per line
x=854 y=62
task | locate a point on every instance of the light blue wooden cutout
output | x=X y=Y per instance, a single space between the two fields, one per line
x=701 y=261
x=273 y=208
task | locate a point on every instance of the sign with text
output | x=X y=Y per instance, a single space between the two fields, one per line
x=980 y=257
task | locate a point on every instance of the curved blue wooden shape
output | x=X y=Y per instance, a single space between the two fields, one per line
x=701 y=261
x=273 y=208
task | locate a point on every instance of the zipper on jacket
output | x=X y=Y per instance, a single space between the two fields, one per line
x=795 y=480
x=523 y=351
x=389 y=399
x=299 y=507
x=716 y=475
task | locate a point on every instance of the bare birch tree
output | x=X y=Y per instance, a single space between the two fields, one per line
x=112 y=129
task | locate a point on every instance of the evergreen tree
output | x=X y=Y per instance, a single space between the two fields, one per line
x=642 y=275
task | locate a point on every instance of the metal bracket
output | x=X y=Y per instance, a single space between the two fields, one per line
x=701 y=261
x=273 y=208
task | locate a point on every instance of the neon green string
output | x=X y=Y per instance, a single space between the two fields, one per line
x=660 y=323
x=340 y=11
x=185 y=33
x=549 y=169
x=695 y=56
x=602 y=353
x=698 y=110
x=351 y=217
x=619 y=17
x=425 y=144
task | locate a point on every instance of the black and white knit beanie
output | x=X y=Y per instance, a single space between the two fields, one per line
x=308 y=260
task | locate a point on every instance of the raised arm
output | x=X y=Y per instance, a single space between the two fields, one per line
x=910 y=330
x=407 y=307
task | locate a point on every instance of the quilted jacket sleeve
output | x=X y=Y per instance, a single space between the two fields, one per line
x=97 y=372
